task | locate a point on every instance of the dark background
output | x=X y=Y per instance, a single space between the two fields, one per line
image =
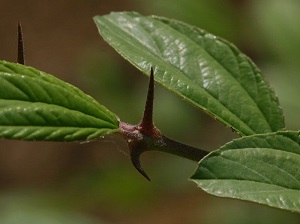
x=95 y=182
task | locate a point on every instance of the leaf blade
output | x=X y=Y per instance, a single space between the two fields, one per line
x=37 y=106
x=260 y=168
x=187 y=68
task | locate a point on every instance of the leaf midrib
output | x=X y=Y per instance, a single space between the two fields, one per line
x=109 y=125
x=92 y=104
x=253 y=171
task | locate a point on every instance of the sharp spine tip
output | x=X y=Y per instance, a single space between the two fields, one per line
x=21 y=56
x=136 y=149
x=137 y=165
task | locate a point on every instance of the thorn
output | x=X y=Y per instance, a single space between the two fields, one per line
x=136 y=163
x=137 y=135
x=21 y=56
x=146 y=125
x=136 y=149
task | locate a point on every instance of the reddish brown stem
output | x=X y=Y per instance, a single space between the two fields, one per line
x=146 y=137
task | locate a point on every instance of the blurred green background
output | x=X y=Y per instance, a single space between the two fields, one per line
x=87 y=183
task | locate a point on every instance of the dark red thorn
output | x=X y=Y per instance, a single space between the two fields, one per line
x=21 y=56
x=136 y=149
x=145 y=137
x=146 y=125
x=145 y=128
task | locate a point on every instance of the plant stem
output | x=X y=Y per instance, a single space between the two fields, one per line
x=182 y=150
x=138 y=143
x=146 y=137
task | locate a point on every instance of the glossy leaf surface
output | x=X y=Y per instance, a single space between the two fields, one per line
x=260 y=168
x=37 y=106
x=205 y=70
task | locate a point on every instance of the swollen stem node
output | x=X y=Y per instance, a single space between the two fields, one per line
x=146 y=137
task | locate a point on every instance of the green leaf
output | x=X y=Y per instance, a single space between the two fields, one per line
x=205 y=70
x=261 y=168
x=37 y=106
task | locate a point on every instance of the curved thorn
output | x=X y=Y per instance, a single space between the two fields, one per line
x=136 y=163
x=21 y=56
x=136 y=135
x=135 y=151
